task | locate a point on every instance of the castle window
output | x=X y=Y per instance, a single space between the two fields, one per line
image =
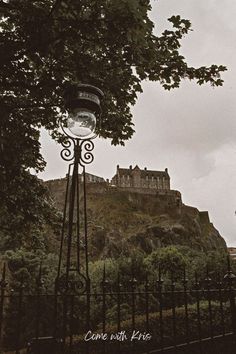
x=164 y=183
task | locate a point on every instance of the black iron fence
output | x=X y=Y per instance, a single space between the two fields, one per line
x=153 y=316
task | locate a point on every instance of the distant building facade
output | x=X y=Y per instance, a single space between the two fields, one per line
x=90 y=178
x=137 y=178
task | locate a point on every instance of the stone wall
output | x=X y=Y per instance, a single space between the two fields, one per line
x=204 y=216
x=57 y=188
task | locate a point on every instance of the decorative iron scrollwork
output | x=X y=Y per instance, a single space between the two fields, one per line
x=76 y=284
x=86 y=148
x=67 y=153
x=77 y=148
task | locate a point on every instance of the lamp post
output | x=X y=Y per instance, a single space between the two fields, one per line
x=83 y=105
x=84 y=111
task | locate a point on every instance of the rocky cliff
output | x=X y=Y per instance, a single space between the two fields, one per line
x=121 y=221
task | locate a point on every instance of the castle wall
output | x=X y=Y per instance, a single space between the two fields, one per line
x=133 y=180
x=204 y=216
x=57 y=188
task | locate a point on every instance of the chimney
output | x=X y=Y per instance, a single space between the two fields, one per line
x=117 y=167
x=166 y=170
x=145 y=168
x=130 y=167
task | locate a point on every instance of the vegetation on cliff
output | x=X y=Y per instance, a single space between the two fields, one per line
x=145 y=231
x=122 y=222
x=126 y=230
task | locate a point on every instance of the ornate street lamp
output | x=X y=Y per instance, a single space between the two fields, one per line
x=84 y=111
x=83 y=104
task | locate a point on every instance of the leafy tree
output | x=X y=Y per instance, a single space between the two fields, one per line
x=174 y=259
x=47 y=46
x=169 y=260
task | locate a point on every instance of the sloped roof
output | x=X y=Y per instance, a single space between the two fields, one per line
x=150 y=173
x=144 y=173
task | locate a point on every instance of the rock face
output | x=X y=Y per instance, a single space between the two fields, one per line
x=122 y=221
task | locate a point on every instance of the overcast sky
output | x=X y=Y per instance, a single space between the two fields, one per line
x=190 y=130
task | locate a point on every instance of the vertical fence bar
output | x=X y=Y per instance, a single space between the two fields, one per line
x=88 y=302
x=159 y=289
x=199 y=327
x=221 y=309
x=38 y=303
x=208 y=282
x=173 y=307
x=133 y=299
x=118 y=303
x=118 y=309
x=88 y=312
x=147 y=303
x=133 y=282
x=71 y=322
x=147 y=307
x=185 y=282
x=104 y=283
x=104 y=289
x=55 y=311
x=64 y=319
x=2 y=286
x=19 y=318
x=230 y=278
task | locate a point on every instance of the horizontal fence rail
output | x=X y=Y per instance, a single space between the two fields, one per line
x=120 y=316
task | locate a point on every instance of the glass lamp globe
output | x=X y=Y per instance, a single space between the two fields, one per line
x=81 y=122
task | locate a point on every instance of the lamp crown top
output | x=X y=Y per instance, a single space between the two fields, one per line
x=91 y=89
x=83 y=96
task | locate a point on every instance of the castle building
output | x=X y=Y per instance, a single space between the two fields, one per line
x=90 y=178
x=137 y=178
